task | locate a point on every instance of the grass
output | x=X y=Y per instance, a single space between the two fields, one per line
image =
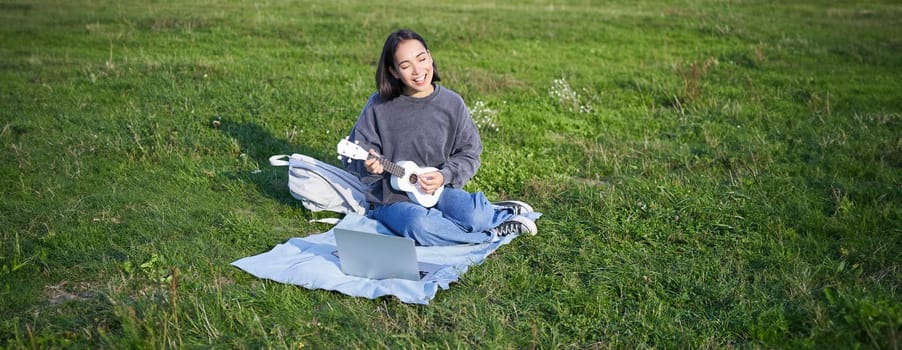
x=712 y=174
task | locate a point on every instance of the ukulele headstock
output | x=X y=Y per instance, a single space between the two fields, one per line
x=351 y=150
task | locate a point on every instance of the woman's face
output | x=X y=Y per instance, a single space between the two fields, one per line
x=413 y=66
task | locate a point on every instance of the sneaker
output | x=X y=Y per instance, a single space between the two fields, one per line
x=517 y=224
x=518 y=206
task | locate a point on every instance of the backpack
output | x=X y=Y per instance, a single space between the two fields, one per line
x=321 y=186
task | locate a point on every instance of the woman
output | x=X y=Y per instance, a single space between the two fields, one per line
x=411 y=118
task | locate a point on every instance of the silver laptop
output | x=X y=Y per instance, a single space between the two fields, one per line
x=379 y=256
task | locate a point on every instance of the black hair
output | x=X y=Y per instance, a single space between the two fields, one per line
x=390 y=87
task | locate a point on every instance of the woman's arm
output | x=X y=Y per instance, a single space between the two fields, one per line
x=464 y=160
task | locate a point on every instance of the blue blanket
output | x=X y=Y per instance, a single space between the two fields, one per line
x=309 y=262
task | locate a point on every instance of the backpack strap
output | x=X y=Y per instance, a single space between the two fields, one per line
x=277 y=160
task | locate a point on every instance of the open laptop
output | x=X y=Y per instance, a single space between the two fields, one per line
x=378 y=256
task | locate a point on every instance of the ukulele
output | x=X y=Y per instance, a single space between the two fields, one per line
x=405 y=174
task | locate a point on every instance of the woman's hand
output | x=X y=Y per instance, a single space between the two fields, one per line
x=429 y=182
x=373 y=165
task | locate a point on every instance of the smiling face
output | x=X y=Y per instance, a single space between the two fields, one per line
x=413 y=67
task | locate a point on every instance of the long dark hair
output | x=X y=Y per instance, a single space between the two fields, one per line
x=390 y=87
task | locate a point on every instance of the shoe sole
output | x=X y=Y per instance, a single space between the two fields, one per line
x=531 y=227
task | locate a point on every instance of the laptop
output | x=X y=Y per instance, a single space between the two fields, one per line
x=379 y=256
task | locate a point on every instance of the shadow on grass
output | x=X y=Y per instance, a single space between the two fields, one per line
x=258 y=144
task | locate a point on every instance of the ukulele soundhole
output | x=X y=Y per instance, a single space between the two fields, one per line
x=412 y=179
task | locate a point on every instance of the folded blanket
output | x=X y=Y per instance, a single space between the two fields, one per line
x=309 y=262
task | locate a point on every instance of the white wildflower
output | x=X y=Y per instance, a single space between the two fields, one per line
x=483 y=116
x=568 y=98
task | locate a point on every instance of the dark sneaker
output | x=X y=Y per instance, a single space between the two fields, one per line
x=518 y=206
x=518 y=225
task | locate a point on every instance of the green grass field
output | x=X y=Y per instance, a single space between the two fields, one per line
x=713 y=174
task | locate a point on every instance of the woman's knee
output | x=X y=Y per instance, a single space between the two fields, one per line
x=416 y=224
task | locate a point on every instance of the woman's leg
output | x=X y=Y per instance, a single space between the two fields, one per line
x=459 y=217
x=426 y=226
x=471 y=211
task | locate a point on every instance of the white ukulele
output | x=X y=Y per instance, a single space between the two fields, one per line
x=404 y=174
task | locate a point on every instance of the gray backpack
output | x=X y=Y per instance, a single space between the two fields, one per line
x=321 y=186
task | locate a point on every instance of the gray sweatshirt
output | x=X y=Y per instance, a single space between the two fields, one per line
x=434 y=131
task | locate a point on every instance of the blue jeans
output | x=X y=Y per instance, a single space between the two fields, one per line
x=459 y=217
